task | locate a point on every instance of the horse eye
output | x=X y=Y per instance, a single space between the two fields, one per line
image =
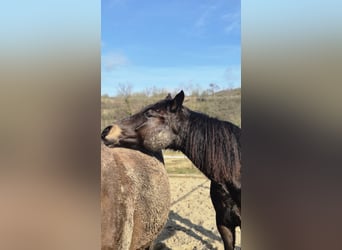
x=148 y=114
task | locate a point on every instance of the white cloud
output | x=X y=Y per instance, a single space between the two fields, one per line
x=232 y=21
x=232 y=26
x=209 y=14
x=205 y=15
x=113 y=61
x=231 y=16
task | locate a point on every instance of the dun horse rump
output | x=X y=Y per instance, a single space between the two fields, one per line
x=211 y=144
x=135 y=198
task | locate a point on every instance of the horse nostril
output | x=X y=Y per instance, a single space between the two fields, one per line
x=105 y=132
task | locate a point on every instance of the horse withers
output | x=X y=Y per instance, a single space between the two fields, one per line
x=211 y=144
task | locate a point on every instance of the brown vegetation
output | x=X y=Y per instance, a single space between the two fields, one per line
x=224 y=104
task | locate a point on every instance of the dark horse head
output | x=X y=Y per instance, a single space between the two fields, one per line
x=211 y=144
x=155 y=127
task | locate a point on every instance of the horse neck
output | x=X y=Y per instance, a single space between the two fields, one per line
x=199 y=145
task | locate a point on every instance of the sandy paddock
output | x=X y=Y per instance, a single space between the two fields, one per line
x=191 y=223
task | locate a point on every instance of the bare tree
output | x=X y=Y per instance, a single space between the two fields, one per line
x=213 y=88
x=230 y=85
x=125 y=91
x=148 y=91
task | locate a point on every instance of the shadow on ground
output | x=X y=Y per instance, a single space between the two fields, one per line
x=193 y=230
x=175 y=223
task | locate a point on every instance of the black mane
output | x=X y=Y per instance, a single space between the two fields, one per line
x=212 y=145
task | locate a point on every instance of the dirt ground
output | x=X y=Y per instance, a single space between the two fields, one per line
x=191 y=223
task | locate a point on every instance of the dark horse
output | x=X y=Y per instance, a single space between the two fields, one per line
x=212 y=145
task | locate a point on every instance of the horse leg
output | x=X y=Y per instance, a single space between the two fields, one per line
x=223 y=204
x=227 y=235
x=147 y=248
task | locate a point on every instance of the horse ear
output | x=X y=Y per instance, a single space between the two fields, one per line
x=177 y=102
x=168 y=97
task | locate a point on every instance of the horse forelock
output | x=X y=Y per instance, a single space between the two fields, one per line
x=160 y=104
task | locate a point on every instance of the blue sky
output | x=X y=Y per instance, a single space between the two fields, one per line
x=170 y=44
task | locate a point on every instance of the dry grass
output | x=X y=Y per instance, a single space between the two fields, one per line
x=178 y=163
x=225 y=105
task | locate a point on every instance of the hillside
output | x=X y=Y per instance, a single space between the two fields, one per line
x=224 y=105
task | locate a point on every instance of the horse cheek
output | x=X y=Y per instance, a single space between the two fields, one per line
x=158 y=139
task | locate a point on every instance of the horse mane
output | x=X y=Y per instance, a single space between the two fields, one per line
x=213 y=146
